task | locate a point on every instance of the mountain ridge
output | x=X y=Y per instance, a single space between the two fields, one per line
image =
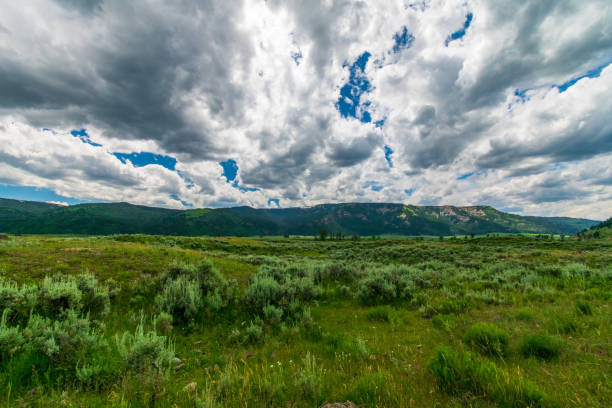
x=18 y=216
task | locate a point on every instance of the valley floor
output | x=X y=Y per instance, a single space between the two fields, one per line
x=158 y=321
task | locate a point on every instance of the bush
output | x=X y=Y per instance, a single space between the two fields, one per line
x=575 y=270
x=254 y=333
x=95 y=298
x=142 y=350
x=273 y=314
x=263 y=291
x=189 y=289
x=541 y=346
x=487 y=339
x=54 y=296
x=18 y=300
x=163 y=323
x=11 y=338
x=181 y=298
x=464 y=373
x=308 y=380
x=286 y=288
x=379 y=314
x=64 y=342
x=57 y=294
x=376 y=288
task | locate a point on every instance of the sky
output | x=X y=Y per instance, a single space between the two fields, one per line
x=188 y=104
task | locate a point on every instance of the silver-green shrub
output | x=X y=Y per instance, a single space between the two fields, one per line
x=11 y=338
x=142 y=350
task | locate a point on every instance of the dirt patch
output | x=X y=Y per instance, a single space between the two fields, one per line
x=347 y=404
x=4 y=237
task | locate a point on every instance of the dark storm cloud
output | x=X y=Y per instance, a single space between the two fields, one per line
x=84 y=6
x=594 y=138
x=528 y=56
x=282 y=169
x=358 y=150
x=140 y=77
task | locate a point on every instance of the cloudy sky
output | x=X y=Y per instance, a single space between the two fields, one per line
x=295 y=103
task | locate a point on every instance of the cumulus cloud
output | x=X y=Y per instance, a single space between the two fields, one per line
x=515 y=94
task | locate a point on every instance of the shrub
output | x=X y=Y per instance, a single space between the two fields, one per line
x=254 y=332
x=273 y=314
x=541 y=346
x=379 y=314
x=575 y=270
x=95 y=298
x=360 y=346
x=11 y=338
x=189 y=289
x=263 y=291
x=283 y=287
x=57 y=294
x=376 y=288
x=308 y=380
x=65 y=341
x=54 y=296
x=464 y=373
x=306 y=317
x=181 y=298
x=163 y=323
x=487 y=339
x=142 y=350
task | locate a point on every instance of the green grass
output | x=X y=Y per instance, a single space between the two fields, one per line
x=515 y=300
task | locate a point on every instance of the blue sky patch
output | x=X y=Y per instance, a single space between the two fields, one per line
x=593 y=73
x=242 y=188
x=82 y=135
x=521 y=94
x=297 y=57
x=28 y=193
x=230 y=172
x=409 y=191
x=402 y=40
x=274 y=201
x=466 y=175
x=460 y=33
x=185 y=203
x=373 y=185
x=349 y=102
x=230 y=169
x=388 y=153
x=145 y=158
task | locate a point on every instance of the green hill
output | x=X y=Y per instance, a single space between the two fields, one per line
x=601 y=230
x=350 y=218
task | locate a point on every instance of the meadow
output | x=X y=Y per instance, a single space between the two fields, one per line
x=159 y=321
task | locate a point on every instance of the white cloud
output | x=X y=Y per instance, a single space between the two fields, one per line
x=205 y=83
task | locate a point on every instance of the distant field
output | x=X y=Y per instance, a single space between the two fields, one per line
x=160 y=321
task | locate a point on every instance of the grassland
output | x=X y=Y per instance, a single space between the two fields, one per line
x=135 y=320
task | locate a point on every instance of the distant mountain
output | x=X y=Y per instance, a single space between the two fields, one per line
x=28 y=217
